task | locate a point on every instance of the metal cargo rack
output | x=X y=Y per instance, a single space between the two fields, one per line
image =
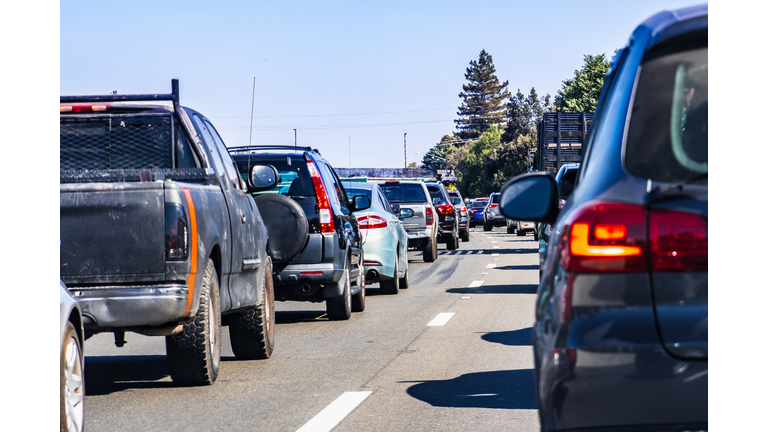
x=561 y=137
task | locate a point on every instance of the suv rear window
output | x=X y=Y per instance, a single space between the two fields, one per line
x=495 y=199
x=294 y=177
x=480 y=204
x=667 y=138
x=404 y=192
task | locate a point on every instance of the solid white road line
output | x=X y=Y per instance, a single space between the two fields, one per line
x=475 y=284
x=328 y=418
x=496 y=254
x=440 y=319
x=490 y=266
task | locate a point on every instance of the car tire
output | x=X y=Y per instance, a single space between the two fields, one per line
x=404 y=283
x=252 y=331
x=358 y=300
x=194 y=355
x=340 y=308
x=286 y=224
x=487 y=226
x=465 y=236
x=536 y=234
x=71 y=382
x=510 y=230
x=520 y=232
x=450 y=244
x=392 y=286
x=430 y=251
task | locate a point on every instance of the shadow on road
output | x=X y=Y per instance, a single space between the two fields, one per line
x=519 y=267
x=496 y=289
x=294 y=317
x=520 y=337
x=109 y=374
x=509 y=389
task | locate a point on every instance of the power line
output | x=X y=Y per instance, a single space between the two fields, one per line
x=354 y=126
x=338 y=115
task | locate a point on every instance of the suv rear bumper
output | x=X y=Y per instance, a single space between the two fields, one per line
x=132 y=306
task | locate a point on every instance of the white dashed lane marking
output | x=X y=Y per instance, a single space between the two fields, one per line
x=440 y=319
x=328 y=418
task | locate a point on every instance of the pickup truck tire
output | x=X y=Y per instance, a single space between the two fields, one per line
x=340 y=308
x=391 y=286
x=72 y=388
x=358 y=300
x=430 y=251
x=194 y=354
x=286 y=224
x=252 y=331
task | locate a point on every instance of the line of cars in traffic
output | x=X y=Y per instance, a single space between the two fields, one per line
x=167 y=232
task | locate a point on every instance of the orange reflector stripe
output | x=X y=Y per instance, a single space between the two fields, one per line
x=610 y=232
x=580 y=244
x=193 y=249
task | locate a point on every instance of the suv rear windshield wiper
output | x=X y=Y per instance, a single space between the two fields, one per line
x=659 y=193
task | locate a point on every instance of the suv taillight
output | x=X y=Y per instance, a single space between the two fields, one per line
x=679 y=241
x=323 y=203
x=371 y=222
x=176 y=233
x=445 y=209
x=611 y=237
x=430 y=216
x=490 y=206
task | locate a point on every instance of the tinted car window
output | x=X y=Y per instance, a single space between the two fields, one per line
x=404 y=193
x=479 y=204
x=294 y=178
x=667 y=138
x=494 y=199
x=435 y=192
x=352 y=193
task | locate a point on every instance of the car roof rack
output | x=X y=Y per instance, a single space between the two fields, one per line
x=173 y=96
x=246 y=149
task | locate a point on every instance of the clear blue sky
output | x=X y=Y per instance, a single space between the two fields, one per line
x=339 y=72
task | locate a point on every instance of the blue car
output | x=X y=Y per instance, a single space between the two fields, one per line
x=385 y=241
x=476 y=211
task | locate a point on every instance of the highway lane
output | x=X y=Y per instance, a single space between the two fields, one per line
x=386 y=369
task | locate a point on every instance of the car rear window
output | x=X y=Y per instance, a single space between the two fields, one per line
x=667 y=137
x=294 y=177
x=352 y=193
x=404 y=192
x=480 y=204
x=495 y=199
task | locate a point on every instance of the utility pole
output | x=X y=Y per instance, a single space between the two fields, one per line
x=295 y=139
x=350 y=151
x=405 y=155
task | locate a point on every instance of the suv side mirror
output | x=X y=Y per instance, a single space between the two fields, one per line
x=530 y=197
x=262 y=177
x=360 y=202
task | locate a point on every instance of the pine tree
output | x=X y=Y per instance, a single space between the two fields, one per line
x=483 y=98
x=580 y=93
x=518 y=117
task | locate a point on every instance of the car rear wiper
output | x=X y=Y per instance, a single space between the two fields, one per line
x=658 y=193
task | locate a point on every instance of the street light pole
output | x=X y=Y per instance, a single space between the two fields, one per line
x=405 y=155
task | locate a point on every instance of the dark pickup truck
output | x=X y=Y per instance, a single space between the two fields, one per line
x=159 y=234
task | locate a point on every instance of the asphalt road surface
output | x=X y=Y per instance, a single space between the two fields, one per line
x=450 y=353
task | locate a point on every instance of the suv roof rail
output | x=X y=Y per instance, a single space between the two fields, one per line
x=246 y=149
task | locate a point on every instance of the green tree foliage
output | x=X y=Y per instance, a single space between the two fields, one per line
x=437 y=156
x=518 y=117
x=580 y=93
x=483 y=98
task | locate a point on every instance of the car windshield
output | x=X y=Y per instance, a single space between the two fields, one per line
x=667 y=138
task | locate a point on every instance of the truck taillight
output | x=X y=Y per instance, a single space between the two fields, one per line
x=605 y=237
x=323 y=203
x=371 y=222
x=176 y=233
x=78 y=108
x=430 y=216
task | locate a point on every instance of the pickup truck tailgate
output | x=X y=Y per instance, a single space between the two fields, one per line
x=110 y=231
x=419 y=219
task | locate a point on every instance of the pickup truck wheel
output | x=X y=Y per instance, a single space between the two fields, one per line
x=340 y=308
x=252 y=331
x=358 y=300
x=430 y=251
x=194 y=354
x=71 y=393
x=391 y=286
